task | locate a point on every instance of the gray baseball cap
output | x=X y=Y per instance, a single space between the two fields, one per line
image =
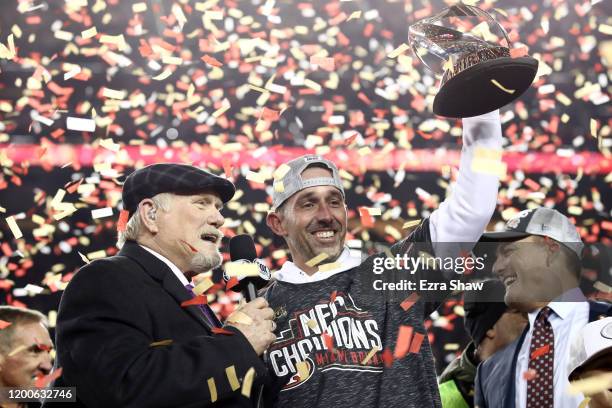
x=540 y=221
x=291 y=181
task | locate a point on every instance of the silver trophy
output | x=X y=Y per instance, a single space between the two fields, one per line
x=470 y=52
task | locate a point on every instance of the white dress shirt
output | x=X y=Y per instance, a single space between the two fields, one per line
x=461 y=218
x=567 y=319
x=175 y=270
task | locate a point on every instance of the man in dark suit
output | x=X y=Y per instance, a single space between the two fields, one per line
x=538 y=259
x=125 y=338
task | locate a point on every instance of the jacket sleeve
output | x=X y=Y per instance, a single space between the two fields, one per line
x=104 y=338
x=464 y=215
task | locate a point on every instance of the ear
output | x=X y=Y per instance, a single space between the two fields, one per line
x=552 y=250
x=275 y=223
x=147 y=212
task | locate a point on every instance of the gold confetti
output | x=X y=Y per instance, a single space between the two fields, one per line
x=329 y=266
x=18 y=350
x=585 y=402
x=203 y=286
x=101 y=212
x=161 y=343
x=139 y=7
x=410 y=224
x=500 y=86
x=113 y=94
x=302 y=370
x=84 y=258
x=230 y=372
x=281 y=171
x=312 y=323
x=279 y=187
x=354 y=15
x=212 y=388
x=89 y=33
x=247 y=382
x=165 y=74
x=399 y=50
x=593 y=126
x=239 y=269
x=256 y=177
x=14 y=227
x=602 y=287
x=591 y=385
x=317 y=259
x=370 y=354
x=226 y=105
x=118 y=40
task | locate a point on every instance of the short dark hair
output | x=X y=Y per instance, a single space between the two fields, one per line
x=17 y=316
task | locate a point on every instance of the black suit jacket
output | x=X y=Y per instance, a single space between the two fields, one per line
x=495 y=378
x=111 y=312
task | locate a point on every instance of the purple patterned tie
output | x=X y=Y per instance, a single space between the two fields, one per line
x=540 y=390
x=204 y=308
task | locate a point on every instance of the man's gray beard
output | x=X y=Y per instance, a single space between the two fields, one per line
x=201 y=263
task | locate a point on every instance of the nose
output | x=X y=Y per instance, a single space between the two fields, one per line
x=45 y=363
x=216 y=219
x=324 y=213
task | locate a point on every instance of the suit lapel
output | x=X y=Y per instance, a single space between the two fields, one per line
x=159 y=271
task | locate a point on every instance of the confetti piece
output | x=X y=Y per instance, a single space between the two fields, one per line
x=220 y=330
x=231 y=283
x=14 y=227
x=500 y=86
x=324 y=62
x=411 y=224
x=84 y=258
x=312 y=324
x=214 y=62
x=101 y=213
x=540 y=351
x=4 y=324
x=329 y=267
x=113 y=94
x=415 y=345
x=367 y=221
x=399 y=50
x=212 y=389
x=585 y=403
x=240 y=317
x=279 y=187
x=139 y=7
x=247 y=382
x=530 y=374
x=238 y=269
x=602 y=287
x=328 y=341
x=591 y=385
x=189 y=246
x=73 y=72
x=17 y=350
x=161 y=343
x=256 y=177
x=89 y=33
x=203 y=286
x=354 y=15
x=230 y=372
x=165 y=74
x=124 y=216
x=226 y=105
x=44 y=380
x=403 y=341
x=317 y=259
x=387 y=358
x=409 y=301
x=593 y=127
x=302 y=370
x=197 y=300
x=370 y=354
x=117 y=40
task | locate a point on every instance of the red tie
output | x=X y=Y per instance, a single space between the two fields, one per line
x=540 y=389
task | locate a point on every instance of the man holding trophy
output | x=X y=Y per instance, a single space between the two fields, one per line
x=339 y=342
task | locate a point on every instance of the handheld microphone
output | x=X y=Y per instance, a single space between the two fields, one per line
x=242 y=250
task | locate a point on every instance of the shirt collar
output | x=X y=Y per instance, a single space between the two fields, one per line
x=291 y=273
x=181 y=277
x=563 y=306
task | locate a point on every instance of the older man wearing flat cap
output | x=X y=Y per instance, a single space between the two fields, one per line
x=125 y=338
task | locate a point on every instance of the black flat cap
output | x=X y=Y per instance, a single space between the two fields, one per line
x=171 y=178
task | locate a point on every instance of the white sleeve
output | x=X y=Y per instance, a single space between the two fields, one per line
x=464 y=215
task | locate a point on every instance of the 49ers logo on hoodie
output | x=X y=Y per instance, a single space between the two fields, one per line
x=353 y=331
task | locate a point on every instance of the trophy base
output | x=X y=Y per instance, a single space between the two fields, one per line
x=472 y=92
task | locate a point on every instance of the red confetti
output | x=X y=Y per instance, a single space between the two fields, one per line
x=191 y=247
x=366 y=219
x=530 y=374
x=409 y=301
x=197 y=300
x=211 y=61
x=43 y=380
x=4 y=324
x=387 y=358
x=417 y=340
x=221 y=330
x=540 y=351
x=328 y=341
x=333 y=296
x=403 y=341
x=231 y=283
x=124 y=215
